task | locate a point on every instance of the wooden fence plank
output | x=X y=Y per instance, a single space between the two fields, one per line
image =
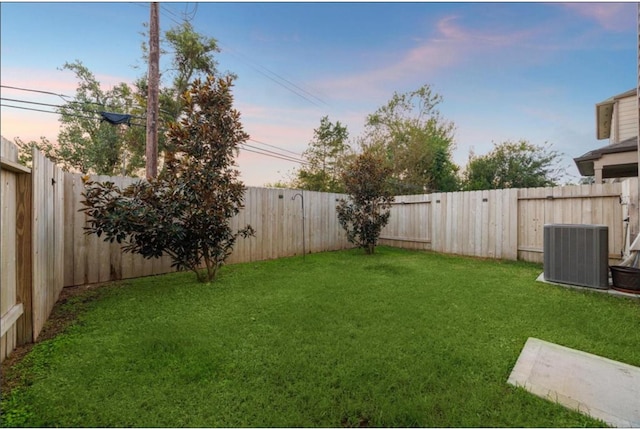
x=10 y=308
x=8 y=273
x=24 y=257
x=47 y=241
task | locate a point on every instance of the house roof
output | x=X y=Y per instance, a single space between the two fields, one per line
x=585 y=162
x=604 y=113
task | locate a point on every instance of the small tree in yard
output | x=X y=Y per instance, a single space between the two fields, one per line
x=369 y=209
x=185 y=212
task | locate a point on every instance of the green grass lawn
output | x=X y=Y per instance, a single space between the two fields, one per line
x=399 y=338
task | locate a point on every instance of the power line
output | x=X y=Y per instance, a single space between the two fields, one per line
x=256 y=150
x=288 y=85
x=14 y=100
x=288 y=88
x=273 y=156
x=35 y=90
x=64 y=97
x=275 y=147
x=44 y=111
x=275 y=153
x=60 y=106
x=57 y=113
x=171 y=12
x=278 y=76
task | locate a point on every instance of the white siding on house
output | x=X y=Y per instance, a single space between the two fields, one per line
x=625 y=120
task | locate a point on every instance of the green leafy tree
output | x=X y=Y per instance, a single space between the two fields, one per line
x=325 y=154
x=513 y=165
x=88 y=144
x=416 y=142
x=25 y=149
x=368 y=209
x=192 y=56
x=186 y=211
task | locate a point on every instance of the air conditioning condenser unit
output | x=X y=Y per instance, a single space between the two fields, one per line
x=577 y=254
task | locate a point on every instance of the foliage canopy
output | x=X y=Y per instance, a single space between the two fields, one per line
x=415 y=141
x=368 y=210
x=92 y=146
x=186 y=211
x=513 y=165
x=326 y=154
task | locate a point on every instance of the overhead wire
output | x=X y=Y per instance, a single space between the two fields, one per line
x=258 y=151
x=63 y=96
x=35 y=90
x=269 y=74
x=59 y=113
x=250 y=63
x=288 y=88
x=276 y=147
x=245 y=146
x=44 y=111
x=275 y=153
x=62 y=107
x=274 y=156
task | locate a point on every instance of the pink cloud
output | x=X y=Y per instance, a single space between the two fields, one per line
x=610 y=16
x=452 y=45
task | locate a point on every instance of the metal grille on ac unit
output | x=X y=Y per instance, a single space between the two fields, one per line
x=577 y=255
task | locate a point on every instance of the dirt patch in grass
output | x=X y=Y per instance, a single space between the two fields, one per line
x=70 y=304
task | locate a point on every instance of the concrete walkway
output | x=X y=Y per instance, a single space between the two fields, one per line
x=593 y=385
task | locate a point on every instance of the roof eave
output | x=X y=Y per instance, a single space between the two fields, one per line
x=604 y=115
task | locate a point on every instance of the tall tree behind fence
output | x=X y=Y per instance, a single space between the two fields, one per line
x=273 y=213
x=31 y=234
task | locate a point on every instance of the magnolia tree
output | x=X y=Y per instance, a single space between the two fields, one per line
x=186 y=211
x=368 y=211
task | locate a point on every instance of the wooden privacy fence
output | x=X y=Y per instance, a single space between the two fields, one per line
x=508 y=223
x=31 y=234
x=273 y=213
x=44 y=245
x=479 y=223
x=586 y=204
x=88 y=258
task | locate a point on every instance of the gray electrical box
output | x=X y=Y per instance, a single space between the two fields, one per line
x=577 y=254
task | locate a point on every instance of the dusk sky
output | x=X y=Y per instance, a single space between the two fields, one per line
x=506 y=71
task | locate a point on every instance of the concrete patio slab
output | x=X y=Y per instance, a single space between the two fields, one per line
x=593 y=385
x=590 y=289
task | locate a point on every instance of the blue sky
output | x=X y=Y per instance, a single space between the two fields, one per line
x=506 y=71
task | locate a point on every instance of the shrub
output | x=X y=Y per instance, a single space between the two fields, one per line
x=185 y=212
x=368 y=210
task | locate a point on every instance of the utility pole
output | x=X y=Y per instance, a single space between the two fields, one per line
x=151 y=151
